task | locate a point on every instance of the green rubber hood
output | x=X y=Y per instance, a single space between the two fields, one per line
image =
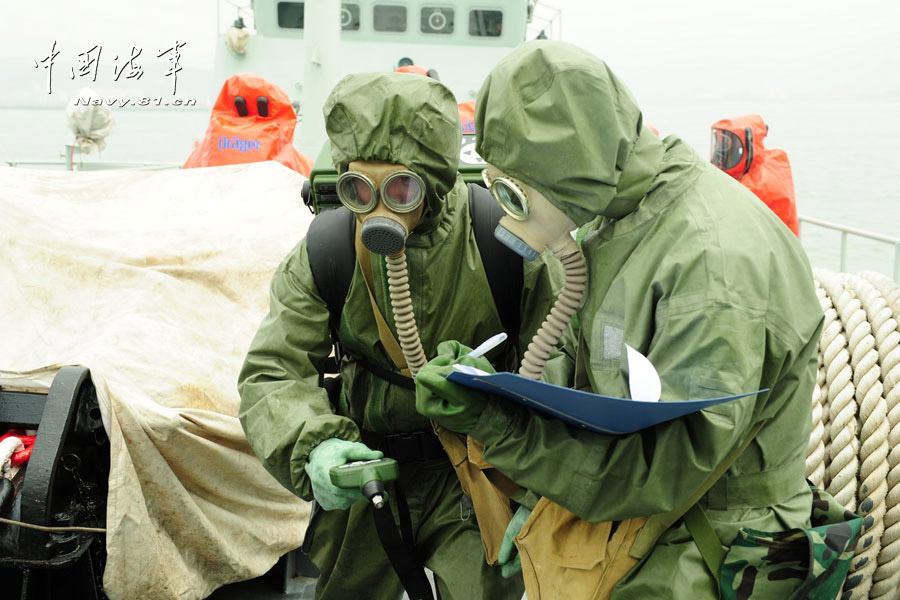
x=555 y=116
x=399 y=118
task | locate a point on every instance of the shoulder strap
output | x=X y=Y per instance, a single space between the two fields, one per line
x=332 y=258
x=502 y=266
x=331 y=246
x=388 y=341
x=704 y=534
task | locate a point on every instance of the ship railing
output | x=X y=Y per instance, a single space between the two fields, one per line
x=846 y=232
x=90 y=166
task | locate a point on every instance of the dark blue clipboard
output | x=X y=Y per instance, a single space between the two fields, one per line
x=603 y=414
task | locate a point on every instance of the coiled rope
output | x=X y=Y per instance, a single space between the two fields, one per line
x=818 y=437
x=887 y=577
x=856 y=420
x=842 y=443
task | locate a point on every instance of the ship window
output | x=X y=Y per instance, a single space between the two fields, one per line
x=437 y=19
x=389 y=17
x=350 y=16
x=290 y=15
x=485 y=23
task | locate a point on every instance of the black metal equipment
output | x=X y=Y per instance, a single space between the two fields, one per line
x=64 y=484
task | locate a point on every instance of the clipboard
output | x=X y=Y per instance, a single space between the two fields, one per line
x=595 y=412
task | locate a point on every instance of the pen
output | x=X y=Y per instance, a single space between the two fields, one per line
x=488 y=344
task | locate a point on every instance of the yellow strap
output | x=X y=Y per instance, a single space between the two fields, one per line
x=492 y=511
x=384 y=332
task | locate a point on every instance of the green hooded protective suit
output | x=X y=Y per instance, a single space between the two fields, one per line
x=412 y=121
x=691 y=270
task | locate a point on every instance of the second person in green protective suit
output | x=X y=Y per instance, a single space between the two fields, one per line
x=690 y=269
x=395 y=138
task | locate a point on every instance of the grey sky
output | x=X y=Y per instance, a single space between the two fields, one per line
x=664 y=50
x=767 y=48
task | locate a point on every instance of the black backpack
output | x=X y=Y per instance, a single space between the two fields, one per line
x=332 y=260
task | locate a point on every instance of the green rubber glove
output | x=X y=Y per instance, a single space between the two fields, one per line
x=508 y=557
x=453 y=406
x=333 y=453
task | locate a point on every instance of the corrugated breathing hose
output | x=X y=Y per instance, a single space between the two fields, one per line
x=568 y=253
x=405 y=320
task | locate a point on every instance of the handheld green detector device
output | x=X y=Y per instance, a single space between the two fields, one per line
x=367 y=476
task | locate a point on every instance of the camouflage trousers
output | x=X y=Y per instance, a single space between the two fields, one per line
x=798 y=563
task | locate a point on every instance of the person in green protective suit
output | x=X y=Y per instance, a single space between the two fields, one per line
x=382 y=123
x=686 y=267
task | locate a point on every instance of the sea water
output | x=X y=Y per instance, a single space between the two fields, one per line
x=841 y=153
x=841 y=157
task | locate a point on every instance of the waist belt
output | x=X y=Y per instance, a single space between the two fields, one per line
x=415 y=446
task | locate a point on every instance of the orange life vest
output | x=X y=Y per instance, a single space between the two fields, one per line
x=766 y=173
x=252 y=120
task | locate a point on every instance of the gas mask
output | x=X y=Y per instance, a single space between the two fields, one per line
x=531 y=225
x=728 y=151
x=385 y=224
x=383 y=228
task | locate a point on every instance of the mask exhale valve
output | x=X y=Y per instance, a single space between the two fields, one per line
x=383 y=236
x=566 y=250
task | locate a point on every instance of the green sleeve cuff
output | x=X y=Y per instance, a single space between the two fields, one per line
x=341 y=428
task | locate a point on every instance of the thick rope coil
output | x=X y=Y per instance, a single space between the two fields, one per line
x=842 y=443
x=888 y=288
x=560 y=315
x=874 y=290
x=407 y=333
x=873 y=432
x=815 y=450
x=831 y=329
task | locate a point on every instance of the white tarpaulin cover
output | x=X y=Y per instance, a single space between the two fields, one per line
x=157 y=281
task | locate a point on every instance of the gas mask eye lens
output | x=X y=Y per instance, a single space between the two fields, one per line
x=403 y=191
x=727 y=149
x=511 y=198
x=356 y=192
